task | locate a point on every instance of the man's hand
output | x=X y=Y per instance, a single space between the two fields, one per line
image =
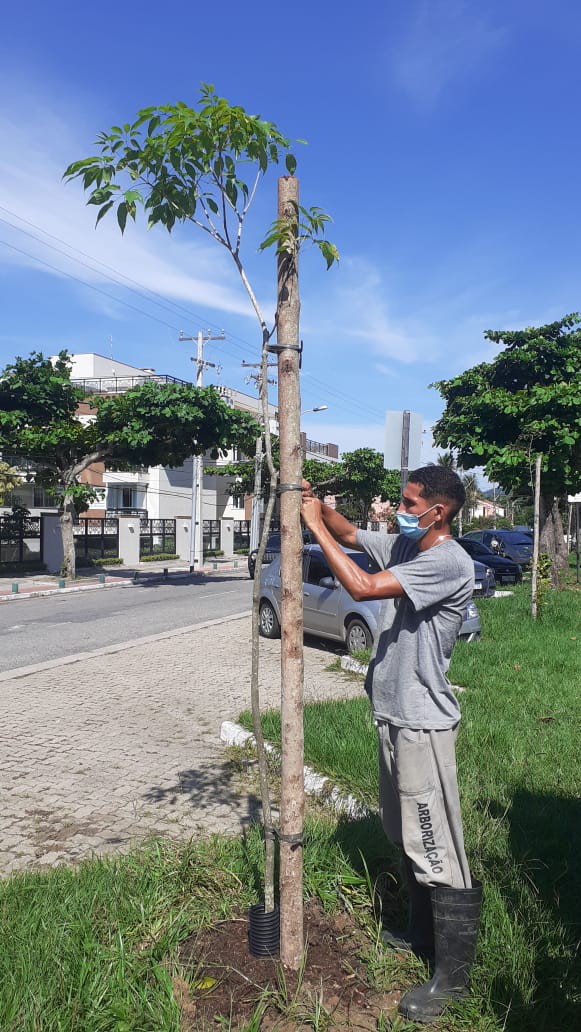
x=311 y=511
x=307 y=489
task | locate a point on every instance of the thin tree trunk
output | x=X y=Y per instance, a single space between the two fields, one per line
x=536 y=514
x=292 y=671
x=269 y=844
x=67 y=516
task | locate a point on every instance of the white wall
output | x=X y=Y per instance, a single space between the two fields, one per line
x=87 y=366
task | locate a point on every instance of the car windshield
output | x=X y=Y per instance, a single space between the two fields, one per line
x=515 y=539
x=476 y=547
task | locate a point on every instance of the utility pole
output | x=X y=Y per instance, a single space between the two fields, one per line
x=196 y=526
x=256 y=497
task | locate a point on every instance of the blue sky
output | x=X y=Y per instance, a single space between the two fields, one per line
x=442 y=138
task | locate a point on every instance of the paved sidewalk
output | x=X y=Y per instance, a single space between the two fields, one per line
x=37 y=585
x=102 y=751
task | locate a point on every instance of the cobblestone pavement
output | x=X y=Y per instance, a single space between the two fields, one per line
x=122 y=744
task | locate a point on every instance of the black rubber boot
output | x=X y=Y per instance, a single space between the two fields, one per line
x=419 y=934
x=456 y=915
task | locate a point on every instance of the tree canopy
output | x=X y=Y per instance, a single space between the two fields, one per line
x=150 y=425
x=526 y=402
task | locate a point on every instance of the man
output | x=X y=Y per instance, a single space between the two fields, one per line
x=426 y=580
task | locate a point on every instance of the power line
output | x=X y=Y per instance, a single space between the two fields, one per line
x=347 y=401
x=136 y=286
x=91 y=286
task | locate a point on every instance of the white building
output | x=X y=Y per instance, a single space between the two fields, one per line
x=159 y=491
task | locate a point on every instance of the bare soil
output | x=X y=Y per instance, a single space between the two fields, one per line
x=229 y=981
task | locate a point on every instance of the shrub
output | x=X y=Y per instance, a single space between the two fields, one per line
x=158 y=555
x=241 y=551
x=214 y=552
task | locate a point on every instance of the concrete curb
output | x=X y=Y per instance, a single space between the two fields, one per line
x=315 y=784
x=145 y=577
x=353 y=666
x=81 y=657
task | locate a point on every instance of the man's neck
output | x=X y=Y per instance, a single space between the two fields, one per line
x=435 y=536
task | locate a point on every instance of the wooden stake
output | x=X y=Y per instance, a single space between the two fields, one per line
x=292 y=671
x=534 y=570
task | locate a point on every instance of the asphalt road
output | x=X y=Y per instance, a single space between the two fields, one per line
x=40 y=629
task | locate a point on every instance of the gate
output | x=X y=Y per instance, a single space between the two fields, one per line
x=20 y=539
x=211 y=535
x=96 y=538
x=241 y=534
x=157 y=537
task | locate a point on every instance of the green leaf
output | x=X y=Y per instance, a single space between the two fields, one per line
x=122 y=216
x=103 y=212
x=291 y=164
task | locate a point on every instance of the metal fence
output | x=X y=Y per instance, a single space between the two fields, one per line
x=241 y=534
x=96 y=538
x=20 y=539
x=211 y=531
x=157 y=537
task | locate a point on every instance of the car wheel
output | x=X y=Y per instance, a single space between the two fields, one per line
x=358 y=636
x=268 y=621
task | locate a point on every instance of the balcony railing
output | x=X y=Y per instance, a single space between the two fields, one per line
x=119 y=384
x=317 y=447
x=127 y=511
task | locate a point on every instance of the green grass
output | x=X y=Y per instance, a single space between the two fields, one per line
x=96 y=947
x=518 y=759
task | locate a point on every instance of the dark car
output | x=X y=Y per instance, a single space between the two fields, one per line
x=505 y=570
x=512 y=544
x=272 y=550
x=329 y=611
x=483 y=580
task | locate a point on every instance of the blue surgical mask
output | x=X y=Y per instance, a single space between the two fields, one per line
x=408 y=524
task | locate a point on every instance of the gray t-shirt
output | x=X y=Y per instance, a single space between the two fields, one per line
x=407 y=681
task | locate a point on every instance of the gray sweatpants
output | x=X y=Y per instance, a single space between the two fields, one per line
x=419 y=803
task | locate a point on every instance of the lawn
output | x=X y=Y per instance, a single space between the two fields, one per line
x=97 y=947
x=520 y=783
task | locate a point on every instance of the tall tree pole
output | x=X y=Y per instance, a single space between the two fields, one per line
x=536 y=512
x=292 y=668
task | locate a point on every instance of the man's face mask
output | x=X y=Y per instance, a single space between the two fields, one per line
x=409 y=524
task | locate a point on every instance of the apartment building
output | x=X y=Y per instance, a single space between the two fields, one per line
x=156 y=492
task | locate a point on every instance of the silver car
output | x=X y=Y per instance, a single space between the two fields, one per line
x=329 y=610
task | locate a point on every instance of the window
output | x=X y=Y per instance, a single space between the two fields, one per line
x=318 y=568
x=365 y=562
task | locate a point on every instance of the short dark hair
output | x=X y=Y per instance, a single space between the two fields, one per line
x=440 y=482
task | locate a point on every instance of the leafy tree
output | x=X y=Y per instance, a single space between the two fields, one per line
x=9 y=480
x=147 y=426
x=202 y=166
x=363 y=478
x=527 y=401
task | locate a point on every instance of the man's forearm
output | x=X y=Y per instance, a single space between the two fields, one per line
x=341 y=529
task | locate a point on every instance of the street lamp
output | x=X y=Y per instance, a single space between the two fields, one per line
x=318 y=408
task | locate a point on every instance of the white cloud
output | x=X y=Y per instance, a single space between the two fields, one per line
x=359 y=307
x=447 y=40
x=36 y=147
